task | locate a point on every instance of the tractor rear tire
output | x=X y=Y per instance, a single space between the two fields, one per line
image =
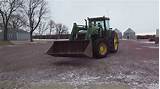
x=100 y=48
x=114 y=42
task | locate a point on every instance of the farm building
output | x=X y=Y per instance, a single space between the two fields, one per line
x=119 y=33
x=129 y=34
x=16 y=35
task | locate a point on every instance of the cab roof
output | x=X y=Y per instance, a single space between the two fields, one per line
x=99 y=18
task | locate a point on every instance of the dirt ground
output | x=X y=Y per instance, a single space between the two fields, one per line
x=27 y=66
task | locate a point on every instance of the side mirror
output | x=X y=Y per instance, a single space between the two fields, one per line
x=86 y=22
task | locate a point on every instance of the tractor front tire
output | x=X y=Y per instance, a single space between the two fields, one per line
x=114 y=42
x=100 y=48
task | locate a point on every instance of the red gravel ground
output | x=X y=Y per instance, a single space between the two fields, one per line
x=136 y=65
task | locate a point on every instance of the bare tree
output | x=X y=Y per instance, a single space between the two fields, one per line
x=35 y=11
x=51 y=26
x=43 y=26
x=7 y=9
x=61 y=29
x=17 y=22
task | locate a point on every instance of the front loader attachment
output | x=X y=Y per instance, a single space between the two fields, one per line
x=71 y=48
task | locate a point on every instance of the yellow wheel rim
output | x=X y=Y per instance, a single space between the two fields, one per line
x=103 y=48
x=116 y=42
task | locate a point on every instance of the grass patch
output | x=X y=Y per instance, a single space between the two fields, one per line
x=25 y=85
x=10 y=84
x=2 y=43
x=89 y=86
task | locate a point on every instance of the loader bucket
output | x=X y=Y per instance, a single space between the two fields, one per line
x=71 y=48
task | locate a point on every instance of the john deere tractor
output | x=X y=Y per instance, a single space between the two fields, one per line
x=94 y=39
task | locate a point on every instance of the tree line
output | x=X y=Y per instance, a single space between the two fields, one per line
x=30 y=15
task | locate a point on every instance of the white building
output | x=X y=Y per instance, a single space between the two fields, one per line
x=129 y=34
x=16 y=35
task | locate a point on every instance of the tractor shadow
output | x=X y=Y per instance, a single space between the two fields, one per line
x=76 y=62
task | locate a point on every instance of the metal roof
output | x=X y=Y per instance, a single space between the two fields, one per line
x=129 y=30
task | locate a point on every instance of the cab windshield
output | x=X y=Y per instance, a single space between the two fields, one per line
x=107 y=24
x=99 y=24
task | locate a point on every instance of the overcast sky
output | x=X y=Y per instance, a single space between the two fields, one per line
x=140 y=15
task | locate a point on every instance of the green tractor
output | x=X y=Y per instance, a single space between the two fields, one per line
x=95 y=39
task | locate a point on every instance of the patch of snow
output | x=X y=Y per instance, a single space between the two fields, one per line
x=50 y=39
x=83 y=80
x=76 y=79
x=151 y=62
x=148 y=42
x=10 y=45
x=152 y=47
x=138 y=48
x=132 y=77
x=44 y=82
x=153 y=86
x=89 y=78
x=129 y=39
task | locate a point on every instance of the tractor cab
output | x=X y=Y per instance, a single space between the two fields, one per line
x=96 y=27
x=100 y=22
